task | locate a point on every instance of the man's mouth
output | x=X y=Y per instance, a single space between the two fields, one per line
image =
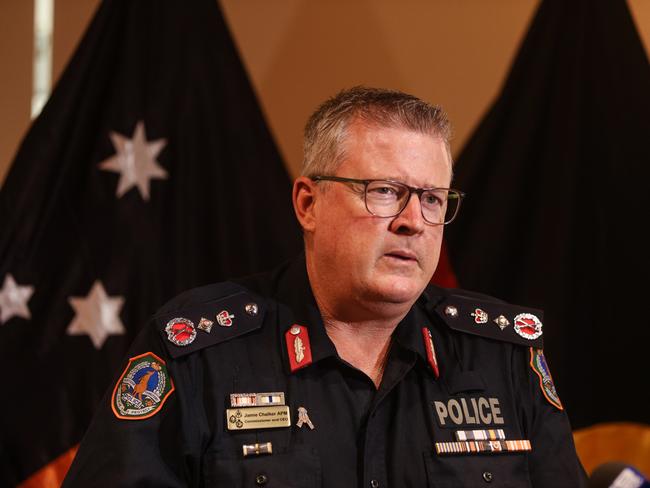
x=402 y=255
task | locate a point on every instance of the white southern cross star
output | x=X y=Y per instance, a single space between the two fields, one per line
x=97 y=315
x=135 y=160
x=13 y=299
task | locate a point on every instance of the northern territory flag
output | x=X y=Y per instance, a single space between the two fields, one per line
x=557 y=207
x=150 y=171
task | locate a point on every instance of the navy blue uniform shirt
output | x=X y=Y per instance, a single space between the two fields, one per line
x=421 y=428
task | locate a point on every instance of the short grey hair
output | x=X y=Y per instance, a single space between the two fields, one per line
x=326 y=129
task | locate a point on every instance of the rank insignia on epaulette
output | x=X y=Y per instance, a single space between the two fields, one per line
x=298 y=347
x=251 y=309
x=528 y=326
x=225 y=318
x=180 y=331
x=502 y=322
x=472 y=315
x=451 y=311
x=205 y=325
x=538 y=363
x=222 y=319
x=480 y=316
x=142 y=389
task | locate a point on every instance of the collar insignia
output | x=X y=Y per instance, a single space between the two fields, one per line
x=431 y=351
x=298 y=347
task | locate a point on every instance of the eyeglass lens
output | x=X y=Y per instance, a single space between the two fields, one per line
x=387 y=199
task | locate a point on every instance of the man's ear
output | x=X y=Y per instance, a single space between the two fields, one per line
x=304 y=201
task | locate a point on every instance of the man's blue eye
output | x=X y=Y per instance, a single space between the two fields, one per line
x=431 y=199
x=384 y=191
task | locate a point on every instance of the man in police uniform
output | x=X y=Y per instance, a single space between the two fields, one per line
x=343 y=368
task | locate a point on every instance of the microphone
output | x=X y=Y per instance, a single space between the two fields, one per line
x=617 y=475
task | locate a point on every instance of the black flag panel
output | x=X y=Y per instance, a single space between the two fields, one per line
x=150 y=171
x=556 y=177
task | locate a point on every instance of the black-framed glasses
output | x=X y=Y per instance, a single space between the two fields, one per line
x=387 y=198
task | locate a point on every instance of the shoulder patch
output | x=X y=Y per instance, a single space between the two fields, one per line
x=538 y=363
x=201 y=325
x=142 y=389
x=493 y=319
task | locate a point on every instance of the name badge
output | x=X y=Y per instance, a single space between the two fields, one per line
x=258 y=417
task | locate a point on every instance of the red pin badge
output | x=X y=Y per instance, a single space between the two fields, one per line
x=180 y=331
x=528 y=326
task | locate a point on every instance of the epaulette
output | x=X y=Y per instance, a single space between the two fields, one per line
x=491 y=318
x=201 y=323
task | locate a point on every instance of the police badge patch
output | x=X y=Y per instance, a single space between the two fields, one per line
x=142 y=389
x=538 y=363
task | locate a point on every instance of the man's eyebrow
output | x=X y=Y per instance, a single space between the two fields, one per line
x=398 y=179
x=401 y=180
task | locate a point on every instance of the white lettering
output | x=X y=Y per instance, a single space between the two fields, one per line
x=470 y=411
x=486 y=418
x=475 y=409
x=441 y=410
x=468 y=418
x=455 y=412
x=496 y=410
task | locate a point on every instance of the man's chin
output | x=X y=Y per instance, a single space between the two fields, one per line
x=399 y=290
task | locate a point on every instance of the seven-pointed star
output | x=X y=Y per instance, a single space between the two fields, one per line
x=97 y=315
x=13 y=299
x=135 y=160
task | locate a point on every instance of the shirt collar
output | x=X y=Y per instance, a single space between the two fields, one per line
x=408 y=333
x=296 y=305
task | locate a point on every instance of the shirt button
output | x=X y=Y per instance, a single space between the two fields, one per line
x=374 y=484
x=487 y=476
x=261 y=479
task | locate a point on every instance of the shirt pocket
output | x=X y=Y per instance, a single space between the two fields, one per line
x=294 y=468
x=490 y=470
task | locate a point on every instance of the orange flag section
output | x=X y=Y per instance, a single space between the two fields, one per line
x=51 y=475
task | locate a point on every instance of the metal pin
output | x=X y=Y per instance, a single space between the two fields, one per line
x=451 y=311
x=205 y=325
x=251 y=309
x=303 y=418
x=502 y=322
x=257 y=449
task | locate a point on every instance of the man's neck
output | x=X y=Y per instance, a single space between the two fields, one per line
x=360 y=328
x=364 y=345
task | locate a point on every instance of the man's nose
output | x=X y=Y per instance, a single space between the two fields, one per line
x=409 y=221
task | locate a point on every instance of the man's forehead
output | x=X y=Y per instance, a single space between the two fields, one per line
x=417 y=159
x=361 y=133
